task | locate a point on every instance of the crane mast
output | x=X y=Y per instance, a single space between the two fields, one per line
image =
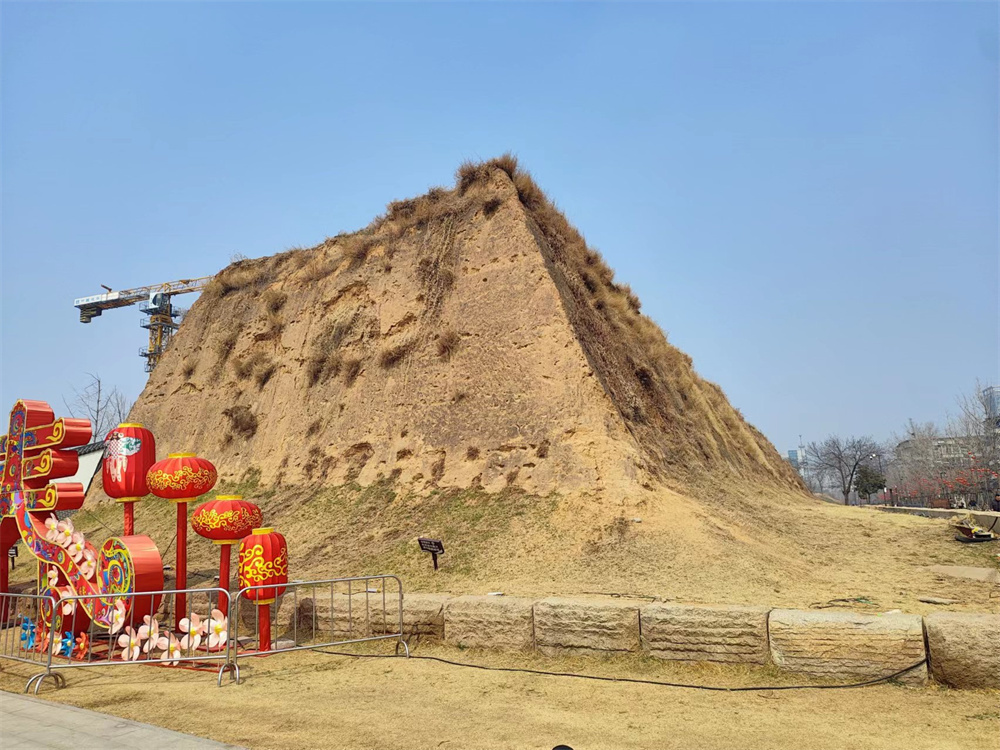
x=156 y=304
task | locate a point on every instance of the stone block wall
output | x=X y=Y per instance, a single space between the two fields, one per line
x=499 y=622
x=847 y=646
x=582 y=626
x=720 y=634
x=963 y=650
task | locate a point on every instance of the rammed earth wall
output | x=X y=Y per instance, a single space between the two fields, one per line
x=962 y=651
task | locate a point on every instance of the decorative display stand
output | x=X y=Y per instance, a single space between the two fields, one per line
x=98 y=590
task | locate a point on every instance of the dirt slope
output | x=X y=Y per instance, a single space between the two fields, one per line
x=468 y=338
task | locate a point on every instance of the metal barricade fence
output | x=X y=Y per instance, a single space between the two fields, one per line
x=65 y=638
x=20 y=638
x=56 y=635
x=319 y=614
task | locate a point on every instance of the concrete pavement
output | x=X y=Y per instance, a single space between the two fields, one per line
x=32 y=724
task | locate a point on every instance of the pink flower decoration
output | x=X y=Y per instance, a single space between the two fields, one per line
x=218 y=630
x=172 y=654
x=193 y=629
x=68 y=607
x=89 y=564
x=130 y=643
x=118 y=616
x=64 y=533
x=53 y=577
x=150 y=632
x=77 y=547
x=52 y=524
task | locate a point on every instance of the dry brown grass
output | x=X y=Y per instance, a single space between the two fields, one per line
x=326 y=359
x=352 y=368
x=224 y=347
x=491 y=206
x=274 y=300
x=319 y=267
x=394 y=354
x=358 y=247
x=242 y=421
x=189 y=368
x=436 y=706
x=252 y=365
x=264 y=374
x=447 y=343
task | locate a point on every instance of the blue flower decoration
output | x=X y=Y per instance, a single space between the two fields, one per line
x=27 y=633
x=66 y=647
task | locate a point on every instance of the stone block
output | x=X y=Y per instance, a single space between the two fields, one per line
x=497 y=622
x=964 y=649
x=700 y=633
x=423 y=615
x=847 y=646
x=575 y=626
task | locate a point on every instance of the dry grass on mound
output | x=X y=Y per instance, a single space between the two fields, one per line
x=763 y=547
x=316 y=700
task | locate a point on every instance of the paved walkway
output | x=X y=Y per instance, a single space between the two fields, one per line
x=32 y=724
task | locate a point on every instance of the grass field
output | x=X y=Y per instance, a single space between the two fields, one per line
x=313 y=700
x=737 y=546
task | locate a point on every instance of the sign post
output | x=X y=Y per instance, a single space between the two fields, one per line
x=434 y=546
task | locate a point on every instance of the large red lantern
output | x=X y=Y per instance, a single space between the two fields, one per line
x=225 y=521
x=181 y=477
x=263 y=562
x=129 y=451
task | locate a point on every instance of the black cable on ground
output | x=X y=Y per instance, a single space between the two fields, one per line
x=636 y=680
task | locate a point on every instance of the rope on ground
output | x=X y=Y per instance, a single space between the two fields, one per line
x=636 y=680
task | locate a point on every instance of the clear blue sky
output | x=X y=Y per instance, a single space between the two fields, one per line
x=803 y=195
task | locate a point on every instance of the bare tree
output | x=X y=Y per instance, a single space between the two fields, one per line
x=976 y=433
x=104 y=407
x=916 y=461
x=840 y=458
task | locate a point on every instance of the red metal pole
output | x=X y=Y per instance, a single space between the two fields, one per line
x=225 y=549
x=264 y=627
x=129 y=517
x=180 y=609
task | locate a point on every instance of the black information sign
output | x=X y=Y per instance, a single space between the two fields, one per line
x=434 y=546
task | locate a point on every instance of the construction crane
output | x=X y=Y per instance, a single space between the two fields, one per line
x=158 y=307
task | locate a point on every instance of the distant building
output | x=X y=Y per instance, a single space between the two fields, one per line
x=991 y=396
x=91 y=459
x=946 y=452
x=795 y=461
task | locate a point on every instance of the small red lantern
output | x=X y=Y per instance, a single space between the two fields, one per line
x=129 y=452
x=181 y=477
x=225 y=521
x=263 y=562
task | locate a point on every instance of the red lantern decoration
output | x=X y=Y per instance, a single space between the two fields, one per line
x=129 y=452
x=263 y=562
x=181 y=477
x=225 y=521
